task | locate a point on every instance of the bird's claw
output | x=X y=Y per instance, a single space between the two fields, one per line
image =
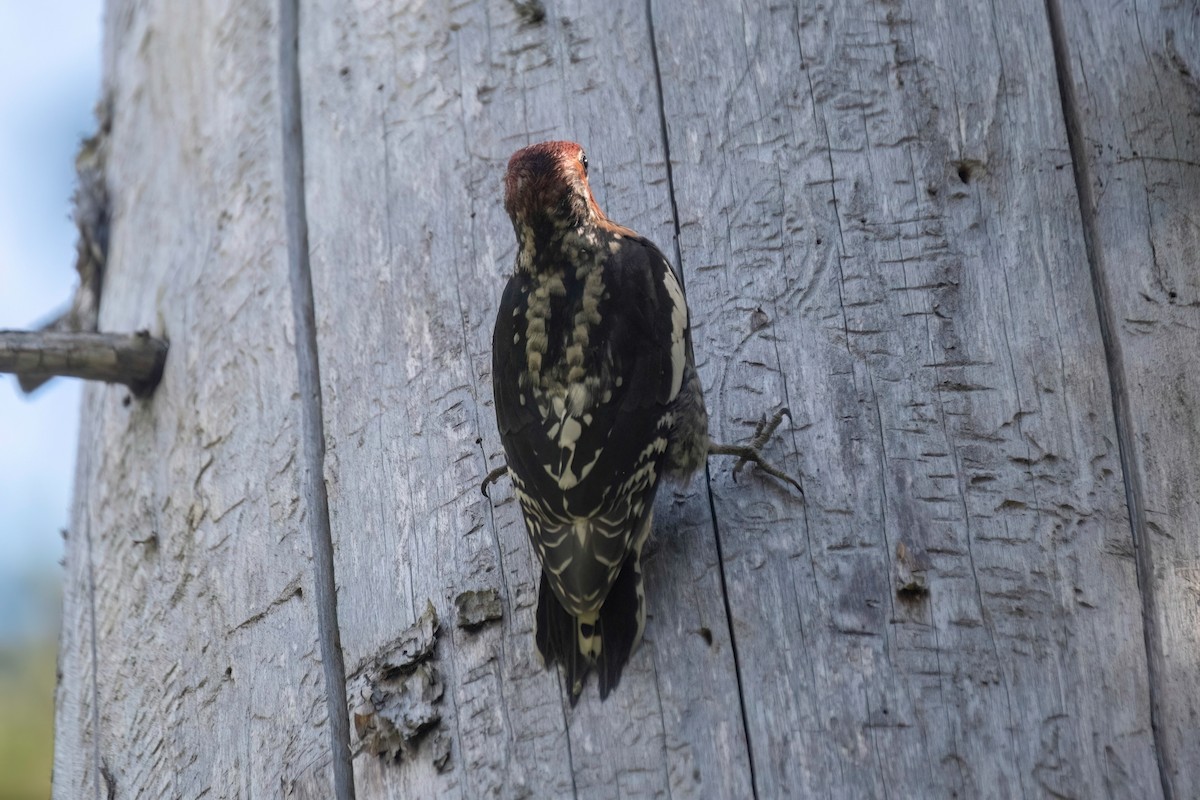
x=492 y=477
x=753 y=451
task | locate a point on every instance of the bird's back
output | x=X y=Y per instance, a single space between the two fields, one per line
x=583 y=395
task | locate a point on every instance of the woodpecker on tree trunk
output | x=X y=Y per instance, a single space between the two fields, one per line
x=597 y=399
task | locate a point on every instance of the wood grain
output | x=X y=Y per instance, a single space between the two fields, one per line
x=191 y=668
x=886 y=183
x=1133 y=73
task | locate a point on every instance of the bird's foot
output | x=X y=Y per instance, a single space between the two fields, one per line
x=753 y=451
x=492 y=477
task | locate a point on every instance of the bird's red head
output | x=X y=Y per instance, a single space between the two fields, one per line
x=547 y=183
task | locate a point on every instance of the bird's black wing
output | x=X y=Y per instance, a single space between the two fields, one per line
x=582 y=519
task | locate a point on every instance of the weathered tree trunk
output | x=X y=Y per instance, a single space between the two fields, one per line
x=960 y=244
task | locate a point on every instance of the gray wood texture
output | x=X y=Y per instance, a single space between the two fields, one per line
x=189 y=655
x=1136 y=83
x=976 y=293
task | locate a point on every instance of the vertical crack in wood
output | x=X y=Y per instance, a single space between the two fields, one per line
x=712 y=508
x=312 y=423
x=662 y=121
x=1134 y=497
x=737 y=661
x=95 y=650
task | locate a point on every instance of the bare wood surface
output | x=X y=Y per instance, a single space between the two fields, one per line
x=1134 y=72
x=897 y=209
x=192 y=667
x=133 y=359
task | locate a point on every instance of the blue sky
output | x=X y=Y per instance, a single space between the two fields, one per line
x=49 y=83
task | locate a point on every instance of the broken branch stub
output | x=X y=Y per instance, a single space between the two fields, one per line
x=133 y=359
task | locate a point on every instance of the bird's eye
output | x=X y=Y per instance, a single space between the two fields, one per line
x=583 y=160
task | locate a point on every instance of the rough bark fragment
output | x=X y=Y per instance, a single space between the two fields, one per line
x=477 y=608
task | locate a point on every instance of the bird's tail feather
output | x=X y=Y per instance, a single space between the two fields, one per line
x=603 y=640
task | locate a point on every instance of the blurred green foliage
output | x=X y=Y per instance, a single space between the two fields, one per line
x=27 y=678
x=28 y=665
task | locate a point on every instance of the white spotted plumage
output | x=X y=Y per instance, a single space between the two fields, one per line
x=679 y=326
x=596 y=399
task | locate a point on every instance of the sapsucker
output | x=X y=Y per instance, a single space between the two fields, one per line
x=597 y=399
